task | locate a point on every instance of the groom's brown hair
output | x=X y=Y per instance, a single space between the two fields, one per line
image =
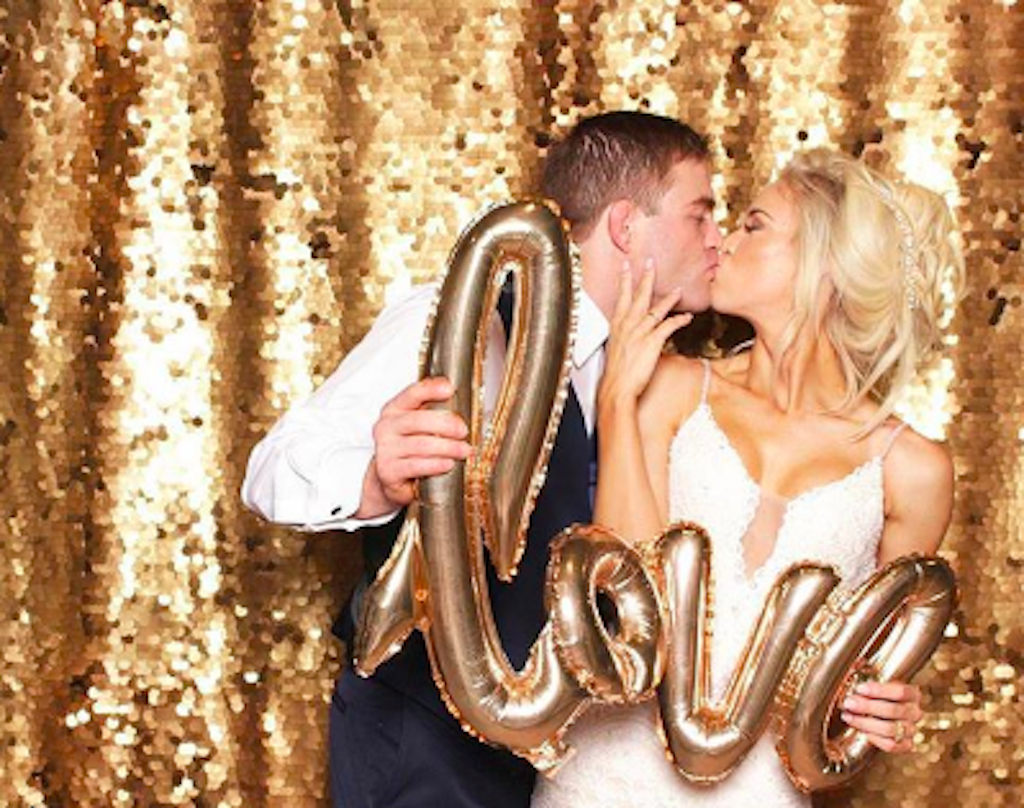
x=617 y=155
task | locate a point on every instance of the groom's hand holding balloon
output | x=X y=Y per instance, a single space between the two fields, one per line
x=411 y=441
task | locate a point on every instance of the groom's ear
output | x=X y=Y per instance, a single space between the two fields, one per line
x=619 y=223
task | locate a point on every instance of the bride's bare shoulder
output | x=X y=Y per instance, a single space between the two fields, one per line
x=919 y=477
x=678 y=374
x=674 y=391
x=919 y=468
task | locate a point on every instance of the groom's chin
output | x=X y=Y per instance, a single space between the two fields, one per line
x=691 y=306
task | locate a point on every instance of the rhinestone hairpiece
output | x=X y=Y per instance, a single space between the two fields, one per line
x=913 y=278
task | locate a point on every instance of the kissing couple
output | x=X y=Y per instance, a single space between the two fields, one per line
x=785 y=451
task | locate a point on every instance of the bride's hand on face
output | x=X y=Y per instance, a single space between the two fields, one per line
x=639 y=328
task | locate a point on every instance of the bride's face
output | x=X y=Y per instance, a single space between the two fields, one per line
x=758 y=264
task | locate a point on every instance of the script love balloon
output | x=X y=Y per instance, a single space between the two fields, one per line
x=886 y=630
x=811 y=641
x=620 y=665
x=435 y=579
x=707 y=740
x=809 y=645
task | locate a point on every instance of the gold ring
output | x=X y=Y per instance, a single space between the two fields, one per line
x=901 y=732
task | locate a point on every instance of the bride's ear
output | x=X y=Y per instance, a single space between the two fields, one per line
x=619 y=222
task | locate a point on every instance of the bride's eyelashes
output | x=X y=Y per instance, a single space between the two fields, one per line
x=753 y=223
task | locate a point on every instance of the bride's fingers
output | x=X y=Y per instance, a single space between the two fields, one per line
x=625 y=299
x=637 y=299
x=896 y=731
x=646 y=312
x=636 y=310
x=887 y=744
x=661 y=308
x=889 y=736
x=889 y=691
x=644 y=292
x=670 y=325
x=882 y=708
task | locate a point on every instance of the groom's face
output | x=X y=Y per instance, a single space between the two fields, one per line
x=681 y=236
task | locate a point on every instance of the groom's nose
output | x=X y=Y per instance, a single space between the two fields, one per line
x=713 y=236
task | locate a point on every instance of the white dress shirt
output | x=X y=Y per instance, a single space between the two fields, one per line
x=308 y=471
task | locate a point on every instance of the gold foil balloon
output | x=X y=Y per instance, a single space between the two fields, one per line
x=393 y=605
x=807 y=647
x=620 y=665
x=436 y=577
x=886 y=630
x=706 y=741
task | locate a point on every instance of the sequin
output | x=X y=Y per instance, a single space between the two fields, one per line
x=206 y=203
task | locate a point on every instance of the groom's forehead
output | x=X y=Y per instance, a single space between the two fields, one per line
x=692 y=179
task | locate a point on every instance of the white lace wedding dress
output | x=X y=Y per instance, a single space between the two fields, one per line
x=619 y=759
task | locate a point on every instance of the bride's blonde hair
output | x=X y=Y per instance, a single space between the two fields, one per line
x=876 y=257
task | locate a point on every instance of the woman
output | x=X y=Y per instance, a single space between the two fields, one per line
x=786 y=452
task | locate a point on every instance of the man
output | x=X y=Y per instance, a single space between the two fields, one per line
x=636 y=190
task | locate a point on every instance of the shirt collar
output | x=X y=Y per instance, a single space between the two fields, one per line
x=592 y=330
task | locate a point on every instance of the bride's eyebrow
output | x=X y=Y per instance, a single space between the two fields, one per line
x=762 y=211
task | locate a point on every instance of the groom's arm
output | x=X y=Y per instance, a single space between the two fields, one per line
x=310 y=470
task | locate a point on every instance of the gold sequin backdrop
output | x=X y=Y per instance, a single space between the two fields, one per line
x=204 y=204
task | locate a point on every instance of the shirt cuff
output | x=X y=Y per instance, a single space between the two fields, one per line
x=337 y=490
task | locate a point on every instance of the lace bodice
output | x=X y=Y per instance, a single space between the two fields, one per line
x=619 y=759
x=838 y=523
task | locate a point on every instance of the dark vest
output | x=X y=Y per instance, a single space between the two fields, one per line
x=518 y=606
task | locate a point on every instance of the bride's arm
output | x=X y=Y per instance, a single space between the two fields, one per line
x=625 y=499
x=919 y=496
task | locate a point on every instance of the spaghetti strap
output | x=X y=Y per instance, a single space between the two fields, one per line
x=707 y=381
x=892 y=439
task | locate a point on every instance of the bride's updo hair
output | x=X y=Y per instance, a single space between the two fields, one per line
x=879 y=261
